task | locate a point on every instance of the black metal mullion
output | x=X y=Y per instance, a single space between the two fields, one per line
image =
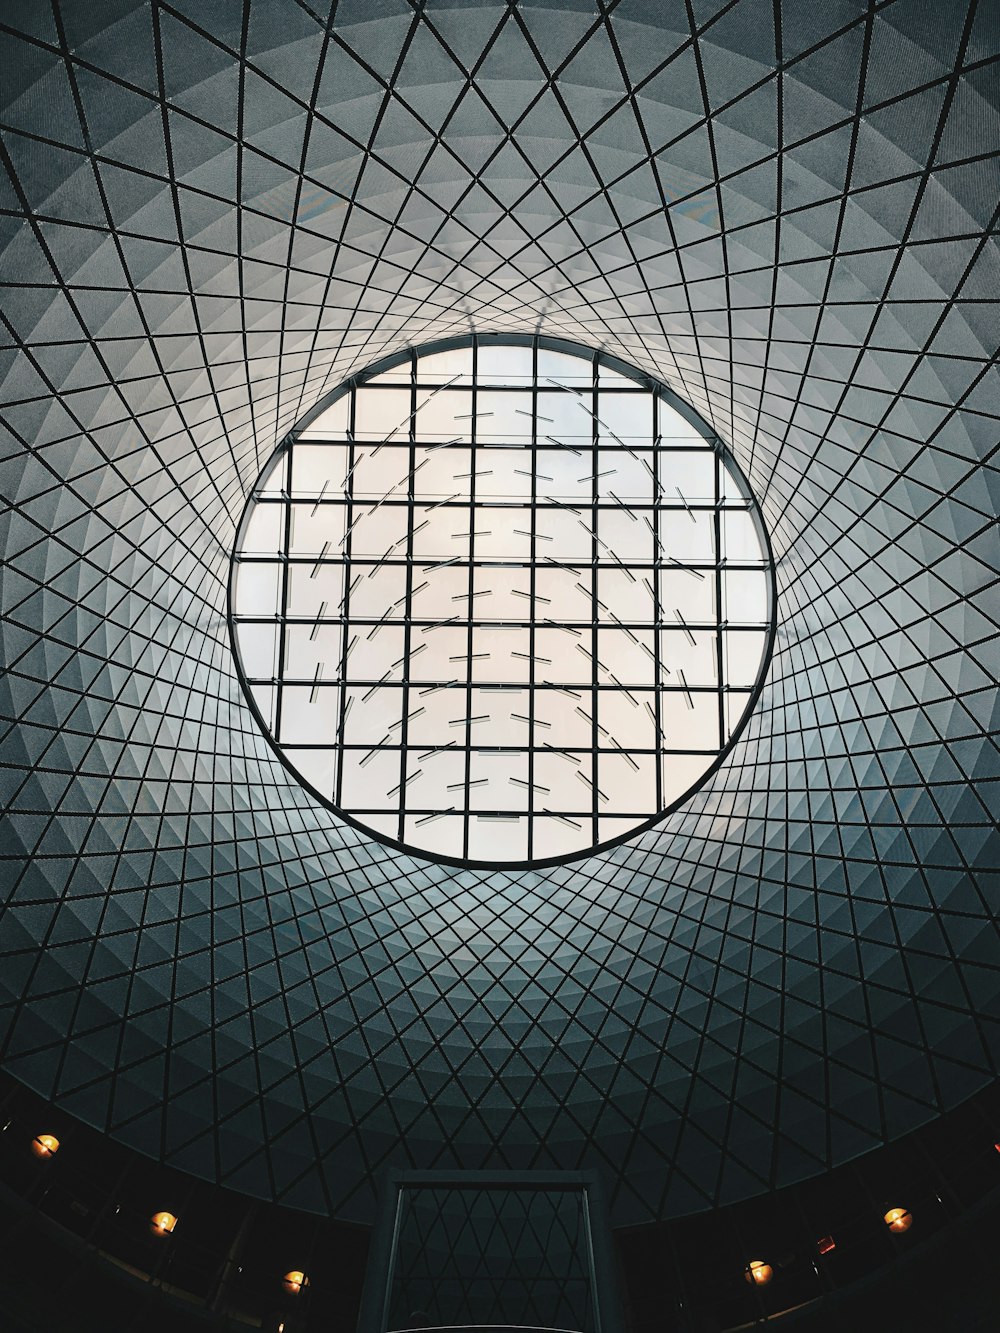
x=532 y=591
x=407 y=605
x=283 y=605
x=346 y=607
x=717 y=520
x=657 y=619
x=471 y=606
x=594 y=594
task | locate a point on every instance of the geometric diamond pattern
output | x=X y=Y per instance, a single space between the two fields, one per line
x=213 y=215
x=492 y=1256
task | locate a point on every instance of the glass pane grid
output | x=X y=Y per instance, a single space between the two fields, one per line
x=501 y=618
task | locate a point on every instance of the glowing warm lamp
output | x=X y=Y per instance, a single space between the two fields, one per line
x=899 y=1220
x=295 y=1281
x=161 y=1224
x=45 y=1145
x=758 y=1273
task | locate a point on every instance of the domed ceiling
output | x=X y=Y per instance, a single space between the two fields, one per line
x=212 y=214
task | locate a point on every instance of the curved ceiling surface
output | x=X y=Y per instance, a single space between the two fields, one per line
x=211 y=216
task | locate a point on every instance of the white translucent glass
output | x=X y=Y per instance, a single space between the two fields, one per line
x=564 y=416
x=627 y=536
x=381 y=414
x=626 y=782
x=503 y=417
x=366 y=780
x=505 y=774
x=444 y=472
x=511 y=475
x=257 y=589
x=309 y=715
x=259 y=645
x=311 y=648
x=438 y=835
x=445 y=416
x=378 y=531
x=628 y=724
x=739 y=536
x=441 y=367
x=560 y=475
x=503 y=534
x=743 y=651
x=689 y=721
x=558 y=772
x=694 y=654
x=567 y=727
x=505 y=364
x=319 y=469
x=630 y=479
x=371 y=715
x=563 y=368
x=629 y=656
x=693 y=474
x=370 y=656
x=496 y=840
x=265 y=532
x=625 y=418
x=378 y=589
x=314 y=526
x=745 y=596
x=688 y=535
x=314 y=589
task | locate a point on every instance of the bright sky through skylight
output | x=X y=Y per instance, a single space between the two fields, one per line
x=501 y=603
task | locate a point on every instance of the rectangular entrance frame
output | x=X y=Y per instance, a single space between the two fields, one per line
x=383 y=1254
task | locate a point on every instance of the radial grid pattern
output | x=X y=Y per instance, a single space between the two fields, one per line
x=463 y=639
x=212 y=216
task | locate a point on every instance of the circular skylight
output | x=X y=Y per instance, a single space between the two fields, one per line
x=502 y=602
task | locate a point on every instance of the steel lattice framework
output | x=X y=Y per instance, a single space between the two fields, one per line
x=215 y=214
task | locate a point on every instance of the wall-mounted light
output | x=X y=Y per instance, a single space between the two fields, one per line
x=899 y=1220
x=161 y=1224
x=758 y=1273
x=294 y=1281
x=45 y=1145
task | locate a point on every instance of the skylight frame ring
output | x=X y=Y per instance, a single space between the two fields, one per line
x=643 y=380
